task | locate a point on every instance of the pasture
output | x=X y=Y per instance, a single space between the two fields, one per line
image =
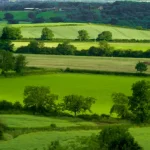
x=23 y=121
x=85 y=62
x=87 y=45
x=70 y=30
x=100 y=87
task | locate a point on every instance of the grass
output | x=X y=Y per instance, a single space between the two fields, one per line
x=70 y=30
x=99 y=86
x=42 y=139
x=87 y=45
x=28 y=121
x=85 y=62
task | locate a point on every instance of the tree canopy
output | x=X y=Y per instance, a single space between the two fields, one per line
x=78 y=103
x=39 y=99
x=47 y=34
x=11 y=33
x=83 y=35
x=104 y=36
x=141 y=67
x=117 y=138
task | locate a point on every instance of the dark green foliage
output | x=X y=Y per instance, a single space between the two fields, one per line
x=17 y=106
x=83 y=35
x=53 y=125
x=6 y=45
x=6 y=61
x=8 y=16
x=47 y=34
x=31 y=15
x=120 y=106
x=78 y=103
x=117 y=138
x=5 y=105
x=20 y=63
x=39 y=99
x=141 y=67
x=65 y=49
x=11 y=33
x=139 y=102
x=104 y=36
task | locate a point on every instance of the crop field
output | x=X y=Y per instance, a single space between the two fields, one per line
x=100 y=87
x=87 y=45
x=21 y=121
x=70 y=30
x=85 y=62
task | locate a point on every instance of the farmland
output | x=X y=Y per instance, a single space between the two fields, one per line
x=42 y=139
x=87 y=45
x=99 y=86
x=70 y=30
x=85 y=62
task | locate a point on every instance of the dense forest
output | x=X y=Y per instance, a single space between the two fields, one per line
x=131 y=14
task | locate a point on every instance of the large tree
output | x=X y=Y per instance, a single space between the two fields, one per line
x=6 y=45
x=47 y=34
x=39 y=99
x=139 y=102
x=105 y=36
x=20 y=63
x=11 y=33
x=83 y=35
x=6 y=61
x=141 y=67
x=78 y=103
x=117 y=138
x=120 y=106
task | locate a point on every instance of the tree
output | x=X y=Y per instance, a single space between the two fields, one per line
x=139 y=102
x=6 y=61
x=47 y=34
x=31 y=15
x=20 y=63
x=104 y=36
x=8 y=16
x=6 y=45
x=39 y=99
x=66 y=48
x=78 y=103
x=11 y=33
x=117 y=138
x=83 y=35
x=120 y=106
x=141 y=67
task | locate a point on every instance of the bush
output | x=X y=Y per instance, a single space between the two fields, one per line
x=5 y=105
x=53 y=125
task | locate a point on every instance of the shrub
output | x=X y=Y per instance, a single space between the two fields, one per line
x=53 y=125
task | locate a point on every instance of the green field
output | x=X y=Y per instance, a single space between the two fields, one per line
x=99 y=86
x=87 y=45
x=85 y=62
x=27 y=121
x=70 y=30
x=42 y=139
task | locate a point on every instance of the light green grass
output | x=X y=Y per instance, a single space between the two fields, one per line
x=21 y=121
x=70 y=31
x=87 y=45
x=85 y=62
x=99 y=86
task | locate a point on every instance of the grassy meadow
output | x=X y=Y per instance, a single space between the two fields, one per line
x=29 y=121
x=87 y=45
x=70 y=30
x=99 y=86
x=85 y=62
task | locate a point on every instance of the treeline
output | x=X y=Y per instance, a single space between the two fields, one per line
x=130 y=14
x=104 y=49
x=40 y=100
